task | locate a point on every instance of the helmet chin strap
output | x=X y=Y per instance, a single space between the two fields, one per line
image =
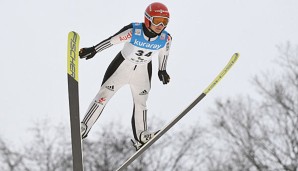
x=152 y=31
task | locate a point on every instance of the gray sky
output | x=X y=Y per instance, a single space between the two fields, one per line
x=205 y=35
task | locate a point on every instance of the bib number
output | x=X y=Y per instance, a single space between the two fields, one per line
x=141 y=53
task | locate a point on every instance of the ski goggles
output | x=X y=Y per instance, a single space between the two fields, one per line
x=159 y=20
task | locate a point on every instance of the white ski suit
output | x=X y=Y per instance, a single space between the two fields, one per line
x=131 y=66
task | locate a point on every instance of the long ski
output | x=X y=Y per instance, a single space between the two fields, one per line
x=73 y=95
x=183 y=113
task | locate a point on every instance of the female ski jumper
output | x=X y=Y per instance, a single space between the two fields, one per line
x=133 y=66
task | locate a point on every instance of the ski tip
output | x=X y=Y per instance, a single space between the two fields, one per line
x=235 y=57
x=237 y=54
x=72 y=55
x=73 y=33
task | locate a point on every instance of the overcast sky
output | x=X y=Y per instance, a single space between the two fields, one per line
x=33 y=41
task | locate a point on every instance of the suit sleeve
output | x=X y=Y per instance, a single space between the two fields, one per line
x=164 y=54
x=121 y=36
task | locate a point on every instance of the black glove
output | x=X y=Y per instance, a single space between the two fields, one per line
x=87 y=53
x=164 y=76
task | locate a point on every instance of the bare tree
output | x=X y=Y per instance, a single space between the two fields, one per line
x=107 y=150
x=11 y=160
x=281 y=106
x=49 y=150
x=263 y=134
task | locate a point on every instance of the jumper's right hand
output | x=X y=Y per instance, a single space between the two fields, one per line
x=87 y=53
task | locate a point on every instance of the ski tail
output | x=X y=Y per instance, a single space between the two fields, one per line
x=182 y=114
x=73 y=93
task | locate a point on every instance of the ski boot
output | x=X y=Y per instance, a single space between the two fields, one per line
x=83 y=130
x=145 y=136
x=136 y=144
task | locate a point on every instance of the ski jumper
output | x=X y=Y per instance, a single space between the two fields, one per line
x=132 y=66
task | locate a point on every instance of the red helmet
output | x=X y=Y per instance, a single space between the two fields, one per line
x=156 y=9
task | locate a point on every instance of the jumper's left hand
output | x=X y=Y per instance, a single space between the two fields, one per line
x=164 y=76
